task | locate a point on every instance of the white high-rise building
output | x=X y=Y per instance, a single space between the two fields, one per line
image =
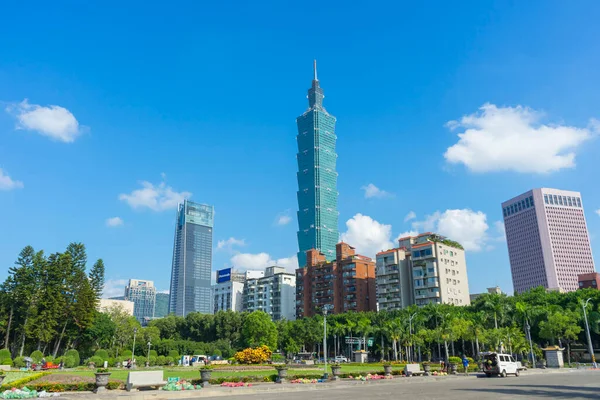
x=143 y=295
x=547 y=238
x=275 y=294
x=424 y=269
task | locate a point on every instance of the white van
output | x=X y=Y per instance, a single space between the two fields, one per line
x=499 y=364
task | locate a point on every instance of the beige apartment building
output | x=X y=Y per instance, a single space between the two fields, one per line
x=423 y=269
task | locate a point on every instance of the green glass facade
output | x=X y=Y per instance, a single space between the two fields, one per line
x=317 y=178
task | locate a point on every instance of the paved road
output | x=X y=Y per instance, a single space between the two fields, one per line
x=569 y=385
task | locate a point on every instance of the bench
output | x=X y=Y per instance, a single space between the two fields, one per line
x=413 y=369
x=140 y=379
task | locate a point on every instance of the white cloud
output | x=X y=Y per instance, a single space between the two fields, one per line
x=598 y=211
x=409 y=216
x=283 y=218
x=467 y=227
x=52 y=121
x=372 y=191
x=155 y=197
x=501 y=230
x=513 y=139
x=163 y=291
x=260 y=261
x=230 y=243
x=7 y=183
x=114 y=221
x=114 y=288
x=405 y=234
x=367 y=235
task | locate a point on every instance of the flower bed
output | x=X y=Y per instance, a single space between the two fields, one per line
x=369 y=377
x=25 y=393
x=305 y=381
x=180 y=385
x=235 y=384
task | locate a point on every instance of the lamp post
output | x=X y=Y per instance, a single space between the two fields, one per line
x=325 y=308
x=589 y=338
x=530 y=344
x=133 y=348
x=410 y=335
x=148 y=358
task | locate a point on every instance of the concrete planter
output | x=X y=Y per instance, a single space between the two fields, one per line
x=101 y=381
x=453 y=368
x=387 y=370
x=205 y=375
x=336 y=371
x=427 y=369
x=281 y=375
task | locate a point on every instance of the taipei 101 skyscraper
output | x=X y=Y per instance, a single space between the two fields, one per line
x=317 y=177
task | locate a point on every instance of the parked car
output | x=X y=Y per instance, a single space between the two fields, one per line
x=340 y=359
x=499 y=364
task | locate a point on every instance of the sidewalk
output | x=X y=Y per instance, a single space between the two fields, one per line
x=218 y=391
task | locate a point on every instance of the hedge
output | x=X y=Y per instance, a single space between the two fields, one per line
x=4 y=354
x=6 y=361
x=19 y=383
x=72 y=387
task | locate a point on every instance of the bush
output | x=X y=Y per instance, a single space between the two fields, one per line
x=103 y=354
x=74 y=355
x=454 y=360
x=277 y=358
x=7 y=361
x=140 y=361
x=98 y=361
x=126 y=354
x=174 y=354
x=153 y=353
x=255 y=355
x=19 y=362
x=4 y=354
x=160 y=360
x=37 y=356
x=69 y=362
x=169 y=360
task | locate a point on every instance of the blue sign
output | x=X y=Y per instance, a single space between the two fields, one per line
x=224 y=275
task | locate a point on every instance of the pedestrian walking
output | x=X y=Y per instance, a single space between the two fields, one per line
x=465 y=362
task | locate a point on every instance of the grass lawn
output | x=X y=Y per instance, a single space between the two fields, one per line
x=193 y=373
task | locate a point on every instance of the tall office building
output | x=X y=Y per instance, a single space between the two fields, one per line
x=424 y=269
x=342 y=285
x=143 y=295
x=547 y=238
x=161 y=309
x=317 y=177
x=192 y=260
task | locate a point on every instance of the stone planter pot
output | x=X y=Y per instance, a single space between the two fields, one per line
x=38 y=367
x=387 y=370
x=336 y=371
x=453 y=368
x=427 y=369
x=147 y=364
x=101 y=381
x=281 y=375
x=205 y=375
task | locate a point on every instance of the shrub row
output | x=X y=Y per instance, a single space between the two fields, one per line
x=19 y=383
x=72 y=387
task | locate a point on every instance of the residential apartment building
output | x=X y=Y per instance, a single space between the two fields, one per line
x=424 y=269
x=143 y=295
x=317 y=177
x=492 y=290
x=345 y=284
x=192 y=260
x=591 y=280
x=547 y=238
x=107 y=305
x=274 y=293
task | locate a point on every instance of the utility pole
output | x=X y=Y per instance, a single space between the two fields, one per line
x=530 y=344
x=410 y=356
x=133 y=349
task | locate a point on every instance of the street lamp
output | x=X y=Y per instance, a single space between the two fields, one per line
x=530 y=344
x=410 y=335
x=589 y=338
x=148 y=358
x=133 y=349
x=325 y=309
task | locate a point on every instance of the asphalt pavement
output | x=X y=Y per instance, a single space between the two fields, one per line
x=583 y=384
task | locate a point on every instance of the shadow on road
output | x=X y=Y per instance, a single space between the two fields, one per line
x=550 y=391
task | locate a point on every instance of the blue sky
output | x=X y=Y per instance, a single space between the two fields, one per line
x=201 y=98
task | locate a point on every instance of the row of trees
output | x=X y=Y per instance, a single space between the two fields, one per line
x=48 y=302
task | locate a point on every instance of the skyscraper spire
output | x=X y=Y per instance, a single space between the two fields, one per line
x=315 y=70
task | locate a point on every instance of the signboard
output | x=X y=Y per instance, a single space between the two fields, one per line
x=173 y=380
x=370 y=342
x=224 y=275
x=353 y=340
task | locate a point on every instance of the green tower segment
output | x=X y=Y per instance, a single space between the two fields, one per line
x=317 y=177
